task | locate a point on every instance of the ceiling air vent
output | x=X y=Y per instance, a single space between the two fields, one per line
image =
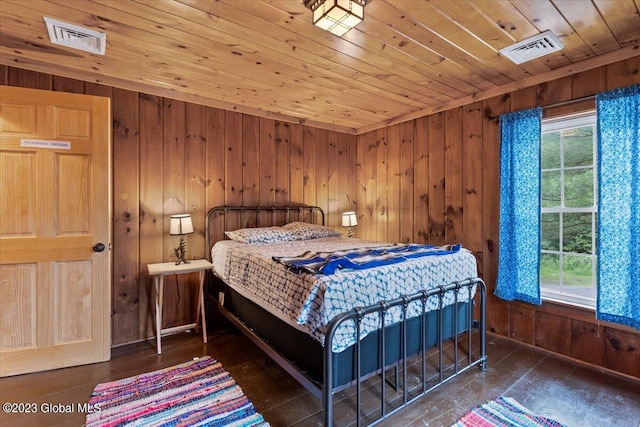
x=533 y=47
x=76 y=37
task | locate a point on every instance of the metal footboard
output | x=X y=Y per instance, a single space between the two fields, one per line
x=382 y=308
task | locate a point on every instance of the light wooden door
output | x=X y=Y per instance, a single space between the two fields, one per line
x=55 y=207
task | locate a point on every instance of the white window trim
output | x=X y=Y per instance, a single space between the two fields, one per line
x=584 y=118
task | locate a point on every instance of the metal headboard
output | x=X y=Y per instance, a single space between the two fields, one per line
x=253 y=216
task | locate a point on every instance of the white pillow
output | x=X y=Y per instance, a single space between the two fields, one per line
x=261 y=235
x=306 y=231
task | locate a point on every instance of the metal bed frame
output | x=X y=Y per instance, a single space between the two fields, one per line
x=250 y=215
x=326 y=390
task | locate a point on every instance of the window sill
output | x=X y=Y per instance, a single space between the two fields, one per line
x=572 y=304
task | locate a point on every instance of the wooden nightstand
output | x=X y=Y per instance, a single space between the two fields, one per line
x=158 y=271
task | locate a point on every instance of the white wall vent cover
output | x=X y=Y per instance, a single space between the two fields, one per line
x=533 y=47
x=76 y=37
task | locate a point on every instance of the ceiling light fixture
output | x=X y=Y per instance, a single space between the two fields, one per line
x=336 y=16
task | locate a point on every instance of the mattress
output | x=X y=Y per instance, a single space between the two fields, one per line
x=308 y=301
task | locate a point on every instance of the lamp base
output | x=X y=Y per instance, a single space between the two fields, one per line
x=180 y=252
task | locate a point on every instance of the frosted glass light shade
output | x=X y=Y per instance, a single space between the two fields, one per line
x=180 y=225
x=337 y=16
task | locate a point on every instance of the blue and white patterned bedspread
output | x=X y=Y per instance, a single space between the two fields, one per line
x=311 y=301
x=361 y=258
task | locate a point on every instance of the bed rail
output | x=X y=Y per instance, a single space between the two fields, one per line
x=356 y=315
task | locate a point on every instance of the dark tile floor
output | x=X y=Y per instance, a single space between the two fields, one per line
x=548 y=385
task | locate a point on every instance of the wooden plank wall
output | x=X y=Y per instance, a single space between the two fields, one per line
x=455 y=185
x=174 y=157
x=433 y=179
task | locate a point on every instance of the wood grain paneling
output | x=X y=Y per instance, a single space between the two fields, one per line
x=64 y=84
x=348 y=187
x=126 y=220
x=29 y=79
x=382 y=189
x=439 y=167
x=437 y=179
x=333 y=180
x=446 y=189
x=454 y=159
x=407 y=59
x=180 y=293
x=214 y=156
x=172 y=157
x=195 y=173
x=522 y=323
x=367 y=180
x=558 y=341
x=281 y=173
x=250 y=160
x=151 y=213
x=353 y=182
x=322 y=167
x=309 y=167
x=622 y=350
x=472 y=143
x=554 y=91
x=421 y=181
x=233 y=161
x=587 y=341
x=294 y=137
x=267 y=166
x=407 y=133
x=394 y=211
x=623 y=73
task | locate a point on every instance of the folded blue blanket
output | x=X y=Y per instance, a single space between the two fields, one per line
x=361 y=258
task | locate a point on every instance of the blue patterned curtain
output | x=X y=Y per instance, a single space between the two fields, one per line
x=518 y=260
x=619 y=206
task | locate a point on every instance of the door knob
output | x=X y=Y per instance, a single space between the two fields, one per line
x=98 y=247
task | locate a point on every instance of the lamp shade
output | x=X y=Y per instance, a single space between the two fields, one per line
x=349 y=219
x=180 y=224
x=337 y=16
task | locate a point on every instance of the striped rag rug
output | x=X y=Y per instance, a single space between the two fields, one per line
x=504 y=412
x=199 y=392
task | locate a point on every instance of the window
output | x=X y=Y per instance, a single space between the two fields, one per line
x=569 y=209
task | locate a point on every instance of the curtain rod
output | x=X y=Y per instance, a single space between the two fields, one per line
x=557 y=104
x=571 y=101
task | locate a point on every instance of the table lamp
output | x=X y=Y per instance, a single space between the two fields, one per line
x=349 y=220
x=180 y=226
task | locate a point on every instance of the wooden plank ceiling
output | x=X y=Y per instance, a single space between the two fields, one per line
x=407 y=59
